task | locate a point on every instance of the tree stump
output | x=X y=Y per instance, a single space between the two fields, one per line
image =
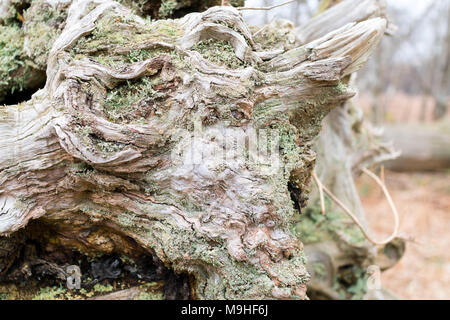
x=161 y=135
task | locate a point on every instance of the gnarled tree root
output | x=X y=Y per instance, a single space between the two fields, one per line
x=98 y=146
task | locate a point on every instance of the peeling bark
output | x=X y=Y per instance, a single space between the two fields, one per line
x=123 y=95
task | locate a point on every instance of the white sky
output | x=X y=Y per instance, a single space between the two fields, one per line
x=414 y=6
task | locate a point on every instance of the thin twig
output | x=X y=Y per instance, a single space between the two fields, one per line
x=267 y=8
x=355 y=219
x=321 y=196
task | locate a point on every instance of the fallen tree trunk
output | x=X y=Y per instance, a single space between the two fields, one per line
x=422 y=147
x=132 y=142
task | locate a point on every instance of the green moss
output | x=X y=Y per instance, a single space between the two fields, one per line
x=116 y=40
x=113 y=32
x=351 y=283
x=141 y=55
x=44 y=23
x=103 y=288
x=117 y=61
x=144 y=54
x=51 y=293
x=315 y=227
x=108 y=31
x=131 y=101
x=150 y=292
x=150 y=296
x=4 y=296
x=167 y=7
x=219 y=52
x=13 y=68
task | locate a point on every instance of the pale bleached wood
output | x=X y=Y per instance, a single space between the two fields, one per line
x=345 y=12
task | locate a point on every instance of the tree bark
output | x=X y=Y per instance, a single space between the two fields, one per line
x=95 y=153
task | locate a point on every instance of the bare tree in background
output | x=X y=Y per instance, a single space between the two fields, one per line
x=441 y=92
x=422 y=71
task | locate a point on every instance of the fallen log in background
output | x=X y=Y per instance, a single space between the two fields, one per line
x=423 y=147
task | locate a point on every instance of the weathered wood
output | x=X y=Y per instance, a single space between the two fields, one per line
x=28 y=30
x=337 y=15
x=97 y=146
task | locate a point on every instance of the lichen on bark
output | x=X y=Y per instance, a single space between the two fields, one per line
x=28 y=31
x=30 y=27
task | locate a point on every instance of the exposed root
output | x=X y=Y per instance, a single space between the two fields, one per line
x=394 y=234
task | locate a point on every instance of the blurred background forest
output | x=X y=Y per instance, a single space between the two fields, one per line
x=405 y=92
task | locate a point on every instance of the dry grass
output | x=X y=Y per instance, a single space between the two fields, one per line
x=423 y=201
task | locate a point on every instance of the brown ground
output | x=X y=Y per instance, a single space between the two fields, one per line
x=423 y=201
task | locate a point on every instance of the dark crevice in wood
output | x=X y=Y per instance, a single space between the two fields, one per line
x=21 y=96
x=297 y=197
x=35 y=257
